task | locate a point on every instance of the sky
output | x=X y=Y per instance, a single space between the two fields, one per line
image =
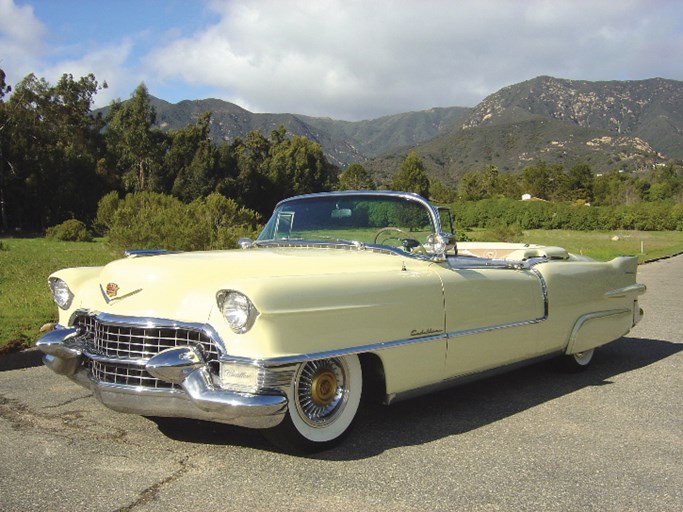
x=344 y=59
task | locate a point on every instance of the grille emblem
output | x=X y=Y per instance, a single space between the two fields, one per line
x=112 y=290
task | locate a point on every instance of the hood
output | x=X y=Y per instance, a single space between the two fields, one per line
x=183 y=286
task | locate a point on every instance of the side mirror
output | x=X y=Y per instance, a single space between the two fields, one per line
x=441 y=244
x=245 y=243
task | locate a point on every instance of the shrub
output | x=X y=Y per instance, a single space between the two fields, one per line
x=105 y=212
x=71 y=230
x=677 y=216
x=491 y=213
x=156 y=221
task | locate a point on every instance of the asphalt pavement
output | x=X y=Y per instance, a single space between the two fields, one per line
x=610 y=439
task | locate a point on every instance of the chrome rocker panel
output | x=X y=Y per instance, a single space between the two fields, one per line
x=199 y=398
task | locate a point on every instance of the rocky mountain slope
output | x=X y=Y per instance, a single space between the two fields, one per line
x=343 y=142
x=627 y=125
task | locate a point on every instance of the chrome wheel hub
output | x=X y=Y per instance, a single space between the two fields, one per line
x=321 y=391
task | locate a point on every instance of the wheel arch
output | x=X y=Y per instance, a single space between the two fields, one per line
x=374 y=377
x=599 y=328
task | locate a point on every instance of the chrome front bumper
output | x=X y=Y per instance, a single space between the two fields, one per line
x=198 y=397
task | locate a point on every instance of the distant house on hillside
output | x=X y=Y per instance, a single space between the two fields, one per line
x=528 y=197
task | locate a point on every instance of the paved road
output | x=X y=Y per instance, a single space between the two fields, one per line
x=608 y=439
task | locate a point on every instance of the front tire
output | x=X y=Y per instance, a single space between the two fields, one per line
x=323 y=401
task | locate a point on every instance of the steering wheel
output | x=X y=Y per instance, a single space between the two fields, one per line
x=409 y=244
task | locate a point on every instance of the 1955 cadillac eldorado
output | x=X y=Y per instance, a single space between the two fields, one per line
x=342 y=295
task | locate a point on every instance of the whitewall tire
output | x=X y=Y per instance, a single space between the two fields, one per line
x=323 y=401
x=577 y=362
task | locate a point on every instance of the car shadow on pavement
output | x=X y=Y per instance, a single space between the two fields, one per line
x=450 y=412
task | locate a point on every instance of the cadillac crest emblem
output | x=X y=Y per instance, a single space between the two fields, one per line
x=112 y=290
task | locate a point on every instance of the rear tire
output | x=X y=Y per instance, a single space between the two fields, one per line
x=323 y=401
x=577 y=362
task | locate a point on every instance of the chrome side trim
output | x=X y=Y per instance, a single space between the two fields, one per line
x=138 y=253
x=374 y=347
x=636 y=288
x=288 y=360
x=544 y=287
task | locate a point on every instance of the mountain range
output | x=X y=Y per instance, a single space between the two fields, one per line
x=625 y=125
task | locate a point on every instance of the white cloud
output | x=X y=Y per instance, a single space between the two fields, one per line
x=354 y=59
x=21 y=40
x=358 y=59
x=108 y=64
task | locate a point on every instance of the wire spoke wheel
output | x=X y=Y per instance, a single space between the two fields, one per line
x=321 y=391
x=323 y=401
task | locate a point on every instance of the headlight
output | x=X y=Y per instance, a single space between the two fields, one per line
x=60 y=292
x=237 y=310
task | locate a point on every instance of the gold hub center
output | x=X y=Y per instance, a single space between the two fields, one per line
x=324 y=388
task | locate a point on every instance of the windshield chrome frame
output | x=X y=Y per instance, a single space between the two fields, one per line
x=410 y=196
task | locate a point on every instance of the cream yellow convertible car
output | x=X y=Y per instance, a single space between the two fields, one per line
x=343 y=295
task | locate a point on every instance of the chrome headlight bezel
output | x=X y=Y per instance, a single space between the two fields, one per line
x=61 y=293
x=237 y=310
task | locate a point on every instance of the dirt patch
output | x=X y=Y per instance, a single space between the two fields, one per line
x=14 y=345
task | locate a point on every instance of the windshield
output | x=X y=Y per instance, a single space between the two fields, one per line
x=397 y=221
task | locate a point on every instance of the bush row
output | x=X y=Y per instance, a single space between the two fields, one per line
x=662 y=216
x=148 y=220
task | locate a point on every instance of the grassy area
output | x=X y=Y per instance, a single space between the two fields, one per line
x=602 y=245
x=25 y=265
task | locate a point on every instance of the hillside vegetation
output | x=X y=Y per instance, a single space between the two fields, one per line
x=554 y=140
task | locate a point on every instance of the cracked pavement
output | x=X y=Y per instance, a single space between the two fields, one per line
x=610 y=438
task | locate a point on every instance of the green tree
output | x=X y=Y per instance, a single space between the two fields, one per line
x=616 y=188
x=509 y=186
x=4 y=89
x=580 y=183
x=543 y=181
x=412 y=176
x=355 y=177
x=50 y=148
x=251 y=186
x=298 y=166
x=192 y=159
x=470 y=187
x=440 y=193
x=135 y=147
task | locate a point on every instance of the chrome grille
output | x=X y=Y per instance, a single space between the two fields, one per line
x=119 y=352
x=128 y=342
x=126 y=375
